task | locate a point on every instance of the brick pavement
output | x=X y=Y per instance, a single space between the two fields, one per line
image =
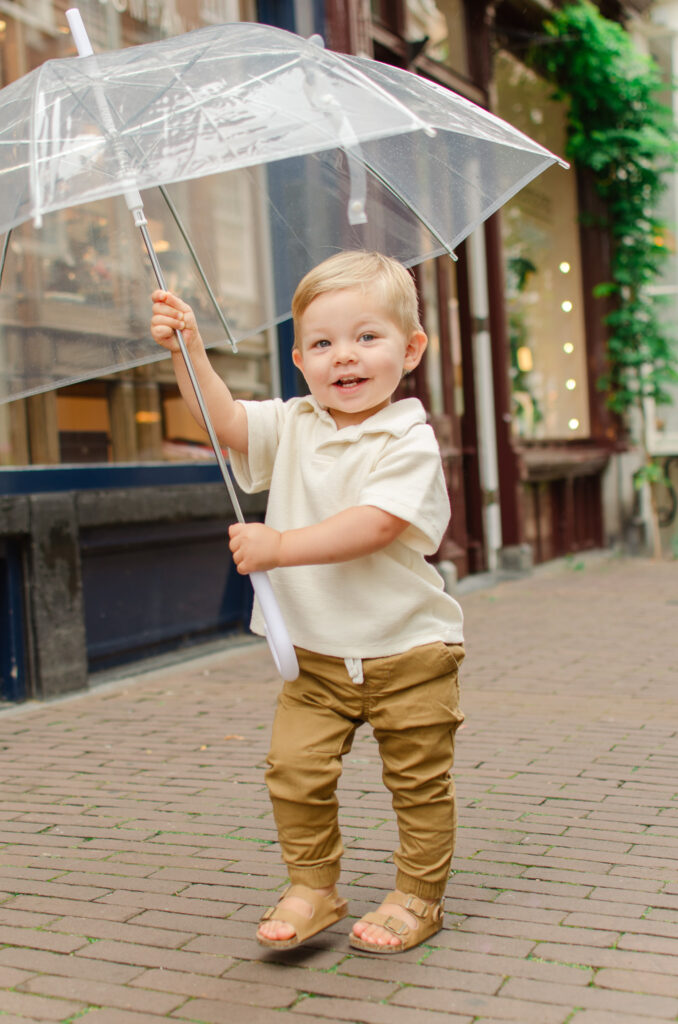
x=137 y=846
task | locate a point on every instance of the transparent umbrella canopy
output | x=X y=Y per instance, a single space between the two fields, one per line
x=305 y=150
x=274 y=153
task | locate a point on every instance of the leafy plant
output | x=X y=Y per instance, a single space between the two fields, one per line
x=519 y=269
x=626 y=138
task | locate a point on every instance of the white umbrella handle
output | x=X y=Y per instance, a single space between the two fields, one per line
x=277 y=636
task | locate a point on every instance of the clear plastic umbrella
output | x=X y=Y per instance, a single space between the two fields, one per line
x=317 y=151
x=335 y=152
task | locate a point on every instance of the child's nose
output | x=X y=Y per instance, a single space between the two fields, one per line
x=344 y=351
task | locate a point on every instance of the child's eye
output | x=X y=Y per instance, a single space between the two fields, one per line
x=320 y=343
x=367 y=336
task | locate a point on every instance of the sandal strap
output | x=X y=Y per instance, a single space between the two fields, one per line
x=392 y=924
x=324 y=907
x=288 y=916
x=420 y=908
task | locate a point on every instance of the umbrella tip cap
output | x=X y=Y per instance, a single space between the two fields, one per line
x=317 y=40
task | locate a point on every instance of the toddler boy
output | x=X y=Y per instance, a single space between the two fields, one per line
x=357 y=499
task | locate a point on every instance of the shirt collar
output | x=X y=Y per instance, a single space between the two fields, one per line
x=395 y=419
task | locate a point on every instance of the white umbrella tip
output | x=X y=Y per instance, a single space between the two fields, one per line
x=317 y=40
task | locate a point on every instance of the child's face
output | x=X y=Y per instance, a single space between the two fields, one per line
x=352 y=354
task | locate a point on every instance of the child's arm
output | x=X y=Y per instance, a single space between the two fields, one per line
x=353 y=533
x=228 y=417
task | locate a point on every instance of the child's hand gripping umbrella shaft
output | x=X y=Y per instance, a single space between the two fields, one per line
x=276 y=632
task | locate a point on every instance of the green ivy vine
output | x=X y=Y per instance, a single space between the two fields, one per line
x=620 y=132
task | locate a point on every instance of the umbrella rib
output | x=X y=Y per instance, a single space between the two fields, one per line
x=121 y=127
x=165 y=90
x=32 y=151
x=421 y=217
x=179 y=223
x=196 y=101
x=373 y=85
x=184 y=234
x=175 y=215
x=5 y=249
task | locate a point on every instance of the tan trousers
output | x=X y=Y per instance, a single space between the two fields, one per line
x=411 y=700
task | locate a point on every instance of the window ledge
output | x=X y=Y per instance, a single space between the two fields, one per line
x=553 y=461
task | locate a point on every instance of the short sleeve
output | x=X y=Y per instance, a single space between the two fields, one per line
x=408 y=481
x=265 y=422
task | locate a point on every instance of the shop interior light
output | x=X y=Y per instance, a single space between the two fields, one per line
x=524 y=356
x=146 y=416
x=162 y=245
x=570 y=384
x=573 y=423
x=566 y=306
x=568 y=347
x=564 y=267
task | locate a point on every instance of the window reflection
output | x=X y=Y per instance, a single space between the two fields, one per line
x=83 y=282
x=542 y=273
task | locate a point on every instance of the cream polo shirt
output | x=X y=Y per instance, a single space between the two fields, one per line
x=380 y=604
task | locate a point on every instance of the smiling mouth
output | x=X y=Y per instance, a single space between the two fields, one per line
x=348 y=382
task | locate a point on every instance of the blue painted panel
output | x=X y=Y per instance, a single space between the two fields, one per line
x=276 y=12
x=156 y=587
x=42 y=479
x=12 y=657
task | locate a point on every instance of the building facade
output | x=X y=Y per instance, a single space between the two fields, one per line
x=657 y=33
x=112 y=515
x=517 y=340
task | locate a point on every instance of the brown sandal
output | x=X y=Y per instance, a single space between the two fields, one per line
x=327 y=910
x=430 y=921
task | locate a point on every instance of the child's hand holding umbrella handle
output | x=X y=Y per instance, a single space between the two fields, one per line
x=277 y=636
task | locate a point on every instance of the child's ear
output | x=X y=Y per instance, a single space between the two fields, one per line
x=414 y=350
x=297 y=359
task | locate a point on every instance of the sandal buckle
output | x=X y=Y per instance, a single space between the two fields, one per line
x=395 y=925
x=417 y=906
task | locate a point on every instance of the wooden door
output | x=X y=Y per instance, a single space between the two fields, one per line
x=444 y=383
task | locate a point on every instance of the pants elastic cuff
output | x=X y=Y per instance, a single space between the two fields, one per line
x=416 y=887
x=314 y=878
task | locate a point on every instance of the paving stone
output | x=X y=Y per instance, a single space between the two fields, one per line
x=59 y=965
x=373 y=1013
x=592 y=997
x=638 y=981
x=39 y=1008
x=475 y=1004
x=99 y=993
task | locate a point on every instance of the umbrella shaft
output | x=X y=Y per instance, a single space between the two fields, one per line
x=157 y=270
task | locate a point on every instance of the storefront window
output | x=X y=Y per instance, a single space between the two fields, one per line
x=543 y=272
x=443 y=23
x=662 y=420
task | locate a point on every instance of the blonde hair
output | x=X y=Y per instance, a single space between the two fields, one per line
x=358 y=268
